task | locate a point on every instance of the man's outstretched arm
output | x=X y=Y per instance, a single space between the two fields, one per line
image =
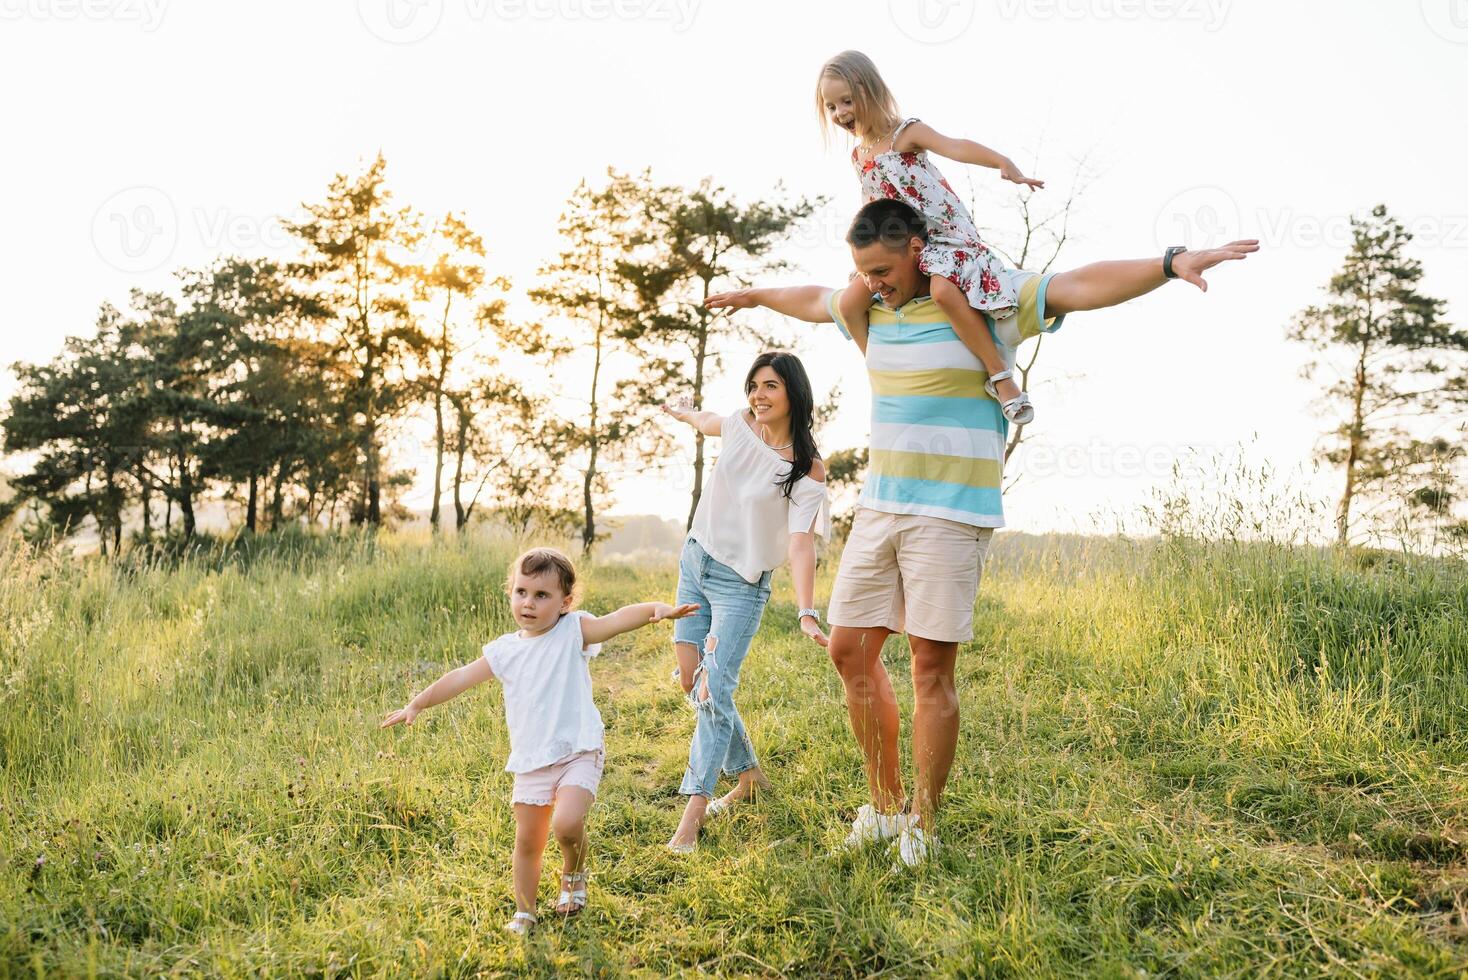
x=806 y=303
x=1102 y=284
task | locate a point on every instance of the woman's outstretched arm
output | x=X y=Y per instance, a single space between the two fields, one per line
x=709 y=423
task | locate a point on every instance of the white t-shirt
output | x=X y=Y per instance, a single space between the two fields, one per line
x=743 y=518
x=548 y=706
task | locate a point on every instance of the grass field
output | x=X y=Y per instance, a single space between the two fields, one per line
x=1178 y=759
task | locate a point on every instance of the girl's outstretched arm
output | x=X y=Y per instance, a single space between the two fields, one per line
x=709 y=423
x=447 y=687
x=921 y=136
x=599 y=629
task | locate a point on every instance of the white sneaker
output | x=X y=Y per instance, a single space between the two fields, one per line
x=913 y=846
x=870 y=826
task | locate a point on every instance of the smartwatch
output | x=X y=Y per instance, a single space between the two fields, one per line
x=1172 y=252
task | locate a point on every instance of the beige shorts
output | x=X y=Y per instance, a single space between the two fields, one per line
x=910 y=573
x=538 y=786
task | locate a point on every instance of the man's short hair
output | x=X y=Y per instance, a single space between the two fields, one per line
x=886 y=220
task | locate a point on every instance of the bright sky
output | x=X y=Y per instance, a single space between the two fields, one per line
x=145 y=135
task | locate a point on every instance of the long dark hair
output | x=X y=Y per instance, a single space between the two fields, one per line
x=802 y=411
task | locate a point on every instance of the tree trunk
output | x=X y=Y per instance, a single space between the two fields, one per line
x=276 y=500
x=250 y=508
x=1353 y=449
x=698 y=359
x=146 y=492
x=588 y=531
x=433 y=514
x=460 y=517
x=438 y=386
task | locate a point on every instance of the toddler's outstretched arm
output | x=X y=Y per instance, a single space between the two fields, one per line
x=447 y=687
x=921 y=136
x=599 y=629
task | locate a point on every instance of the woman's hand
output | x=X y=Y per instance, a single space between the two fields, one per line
x=811 y=628
x=737 y=299
x=402 y=716
x=1012 y=173
x=661 y=611
x=681 y=408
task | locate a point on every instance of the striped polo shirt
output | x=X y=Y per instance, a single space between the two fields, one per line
x=937 y=437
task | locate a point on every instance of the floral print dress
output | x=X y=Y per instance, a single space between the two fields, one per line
x=954 y=250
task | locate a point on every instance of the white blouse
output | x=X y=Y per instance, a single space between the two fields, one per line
x=548 y=706
x=744 y=518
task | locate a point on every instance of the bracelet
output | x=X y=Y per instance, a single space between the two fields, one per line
x=813 y=613
x=1172 y=252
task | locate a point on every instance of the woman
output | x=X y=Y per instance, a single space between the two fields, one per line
x=765 y=501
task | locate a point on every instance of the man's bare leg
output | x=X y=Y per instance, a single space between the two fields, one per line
x=1103 y=284
x=857 y=654
x=934 y=723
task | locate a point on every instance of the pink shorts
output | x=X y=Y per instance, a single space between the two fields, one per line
x=538 y=786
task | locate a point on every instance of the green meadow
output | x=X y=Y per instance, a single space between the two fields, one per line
x=1179 y=758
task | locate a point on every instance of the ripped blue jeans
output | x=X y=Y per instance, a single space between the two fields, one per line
x=729 y=612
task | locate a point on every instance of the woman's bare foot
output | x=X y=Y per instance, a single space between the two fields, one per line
x=751 y=781
x=685 y=838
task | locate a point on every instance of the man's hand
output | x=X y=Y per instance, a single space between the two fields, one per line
x=812 y=629
x=402 y=716
x=1012 y=173
x=662 y=610
x=738 y=299
x=1190 y=266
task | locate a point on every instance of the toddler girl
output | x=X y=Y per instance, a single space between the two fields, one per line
x=556 y=748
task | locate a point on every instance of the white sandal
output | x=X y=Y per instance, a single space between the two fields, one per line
x=572 y=897
x=1018 y=409
x=521 y=923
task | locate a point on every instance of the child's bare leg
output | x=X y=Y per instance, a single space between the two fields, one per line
x=531 y=824
x=569 y=826
x=969 y=324
x=855 y=300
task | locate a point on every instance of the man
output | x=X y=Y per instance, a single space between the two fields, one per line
x=931 y=501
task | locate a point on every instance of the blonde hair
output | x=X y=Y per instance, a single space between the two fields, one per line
x=538 y=561
x=876 y=109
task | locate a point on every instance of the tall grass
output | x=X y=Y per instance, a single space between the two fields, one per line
x=1178 y=758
